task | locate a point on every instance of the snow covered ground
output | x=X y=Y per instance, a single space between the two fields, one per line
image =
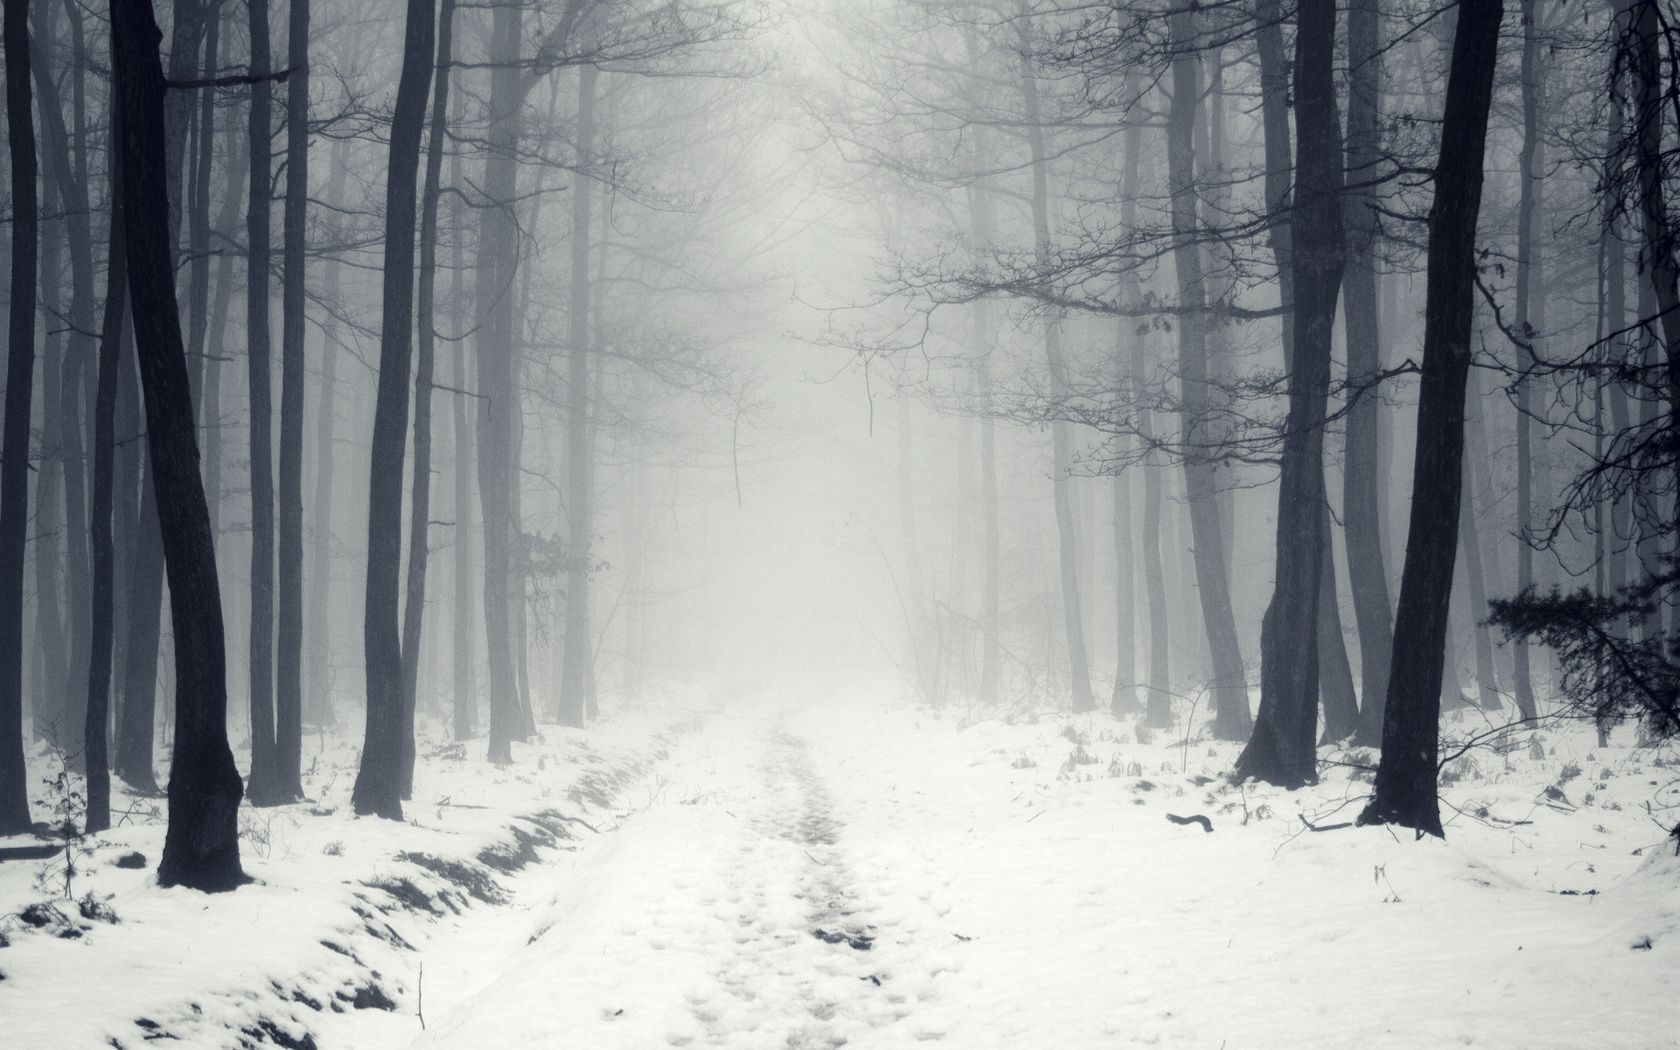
x=848 y=872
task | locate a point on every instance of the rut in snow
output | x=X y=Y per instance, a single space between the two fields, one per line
x=829 y=892
x=826 y=962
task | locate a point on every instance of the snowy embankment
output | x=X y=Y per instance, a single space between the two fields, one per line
x=341 y=911
x=854 y=873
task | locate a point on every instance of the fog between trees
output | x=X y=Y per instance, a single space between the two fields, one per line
x=1281 y=373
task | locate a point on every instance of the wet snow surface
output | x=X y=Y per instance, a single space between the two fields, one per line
x=862 y=875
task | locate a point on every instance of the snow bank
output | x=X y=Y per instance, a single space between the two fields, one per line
x=338 y=907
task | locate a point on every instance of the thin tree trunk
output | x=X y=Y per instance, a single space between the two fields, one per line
x=1529 y=177
x=1405 y=791
x=136 y=734
x=1158 y=698
x=53 y=705
x=227 y=220
x=1210 y=146
x=634 y=518
x=1130 y=371
x=378 y=787
x=991 y=662
x=498 y=257
x=14 y=446
x=1335 y=675
x=1362 y=487
x=264 y=788
x=1073 y=620
x=1469 y=541
x=320 y=623
x=77 y=389
x=201 y=845
x=104 y=546
x=1124 y=700
x=520 y=560
x=288 y=635
x=143 y=574
x=186 y=29
x=1620 y=352
x=64 y=636
x=1654 y=532
x=198 y=215
x=980 y=222
x=579 y=500
x=420 y=501
x=1232 y=718
x=1282 y=749
x=914 y=590
x=466 y=700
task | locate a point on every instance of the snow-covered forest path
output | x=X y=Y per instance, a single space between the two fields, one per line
x=840 y=875
x=725 y=913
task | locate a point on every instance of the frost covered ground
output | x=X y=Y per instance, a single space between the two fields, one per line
x=844 y=871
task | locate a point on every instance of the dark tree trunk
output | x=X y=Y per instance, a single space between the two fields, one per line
x=1362 y=485
x=14 y=446
x=104 y=546
x=1282 y=749
x=379 y=782
x=77 y=389
x=136 y=731
x=63 y=402
x=1662 y=269
x=1232 y=719
x=201 y=846
x=1405 y=791
x=420 y=502
x=288 y=635
x=264 y=788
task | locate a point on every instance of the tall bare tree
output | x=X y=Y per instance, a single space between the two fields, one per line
x=1405 y=791
x=20 y=380
x=201 y=844
x=379 y=785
